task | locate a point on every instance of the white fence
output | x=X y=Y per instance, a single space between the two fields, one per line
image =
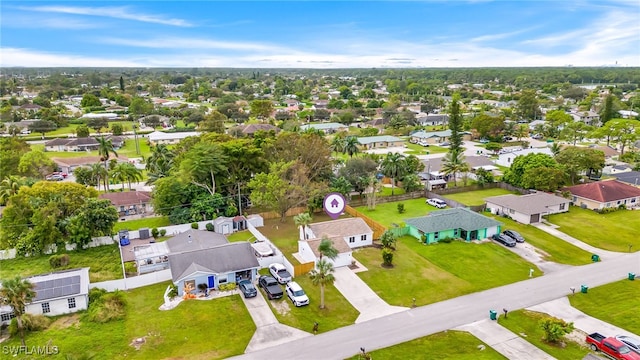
x=134 y=282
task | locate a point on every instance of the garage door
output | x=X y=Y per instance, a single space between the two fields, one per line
x=534 y=218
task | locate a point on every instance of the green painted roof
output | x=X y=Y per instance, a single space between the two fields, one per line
x=448 y=219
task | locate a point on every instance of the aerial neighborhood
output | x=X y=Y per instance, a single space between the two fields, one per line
x=217 y=212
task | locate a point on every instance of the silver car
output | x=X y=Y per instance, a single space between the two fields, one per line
x=631 y=342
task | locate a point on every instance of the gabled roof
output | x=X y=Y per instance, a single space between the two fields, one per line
x=340 y=227
x=604 y=191
x=374 y=139
x=324 y=126
x=536 y=203
x=631 y=177
x=221 y=259
x=60 y=284
x=339 y=243
x=448 y=219
x=127 y=198
x=193 y=240
x=252 y=128
x=159 y=135
x=83 y=160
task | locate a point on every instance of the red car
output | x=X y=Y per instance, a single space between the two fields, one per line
x=611 y=347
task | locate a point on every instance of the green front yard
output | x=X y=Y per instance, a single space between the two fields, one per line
x=526 y=323
x=387 y=213
x=285 y=235
x=444 y=271
x=458 y=345
x=474 y=198
x=614 y=231
x=103 y=263
x=195 y=330
x=616 y=303
x=148 y=222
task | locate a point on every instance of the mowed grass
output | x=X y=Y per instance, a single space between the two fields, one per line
x=476 y=197
x=387 y=213
x=148 y=222
x=212 y=329
x=527 y=323
x=444 y=271
x=614 y=231
x=616 y=303
x=103 y=263
x=458 y=345
x=552 y=248
x=285 y=235
x=337 y=313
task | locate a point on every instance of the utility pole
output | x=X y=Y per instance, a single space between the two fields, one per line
x=239 y=201
x=135 y=137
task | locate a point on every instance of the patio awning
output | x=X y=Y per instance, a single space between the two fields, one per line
x=151 y=250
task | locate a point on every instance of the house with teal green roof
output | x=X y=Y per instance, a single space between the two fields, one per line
x=458 y=223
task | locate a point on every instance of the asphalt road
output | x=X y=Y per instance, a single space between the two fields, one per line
x=400 y=327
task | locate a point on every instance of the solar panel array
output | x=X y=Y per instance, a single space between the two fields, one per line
x=57 y=288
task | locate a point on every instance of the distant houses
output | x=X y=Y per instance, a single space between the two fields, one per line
x=81 y=144
x=379 y=142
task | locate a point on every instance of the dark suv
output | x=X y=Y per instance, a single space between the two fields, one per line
x=514 y=235
x=504 y=239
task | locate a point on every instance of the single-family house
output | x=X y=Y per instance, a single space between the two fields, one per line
x=130 y=203
x=527 y=209
x=630 y=178
x=616 y=168
x=628 y=114
x=81 y=144
x=588 y=117
x=327 y=128
x=506 y=158
x=604 y=194
x=432 y=119
x=159 y=137
x=436 y=137
x=250 y=129
x=379 y=123
x=452 y=223
x=435 y=178
x=29 y=107
x=57 y=293
x=69 y=164
x=378 y=142
x=345 y=234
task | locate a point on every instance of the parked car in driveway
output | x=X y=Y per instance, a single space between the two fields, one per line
x=504 y=240
x=440 y=204
x=247 y=289
x=611 y=347
x=55 y=177
x=631 y=342
x=296 y=294
x=270 y=286
x=280 y=273
x=514 y=235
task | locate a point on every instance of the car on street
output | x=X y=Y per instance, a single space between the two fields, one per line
x=296 y=294
x=270 y=286
x=440 y=204
x=514 y=235
x=611 y=347
x=280 y=273
x=504 y=240
x=247 y=288
x=631 y=342
x=55 y=177
x=484 y=141
x=444 y=144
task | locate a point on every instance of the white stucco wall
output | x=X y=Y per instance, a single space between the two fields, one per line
x=59 y=306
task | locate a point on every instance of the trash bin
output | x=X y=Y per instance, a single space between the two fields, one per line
x=595 y=258
x=584 y=289
x=632 y=276
x=493 y=315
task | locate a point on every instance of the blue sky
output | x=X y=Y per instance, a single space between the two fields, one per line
x=324 y=34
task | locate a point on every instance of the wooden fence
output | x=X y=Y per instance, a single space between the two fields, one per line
x=357 y=201
x=274 y=215
x=377 y=228
x=302 y=269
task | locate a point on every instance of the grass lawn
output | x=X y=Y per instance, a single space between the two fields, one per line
x=387 y=213
x=103 y=261
x=195 y=330
x=386 y=191
x=473 y=198
x=129 y=148
x=554 y=249
x=616 y=303
x=613 y=231
x=337 y=313
x=444 y=270
x=526 y=322
x=148 y=222
x=438 y=346
x=285 y=234
x=416 y=149
x=244 y=235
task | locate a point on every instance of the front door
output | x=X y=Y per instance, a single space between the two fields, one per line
x=211 y=281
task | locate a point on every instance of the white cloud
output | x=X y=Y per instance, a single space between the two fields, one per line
x=47 y=22
x=18 y=57
x=189 y=43
x=111 y=12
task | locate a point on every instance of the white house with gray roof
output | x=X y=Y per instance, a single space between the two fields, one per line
x=527 y=209
x=378 y=142
x=506 y=159
x=327 y=128
x=345 y=234
x=57 y=293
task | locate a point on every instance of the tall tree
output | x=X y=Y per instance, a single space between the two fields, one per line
x=159 y=164
x=82 y=131
x=94 y=218
x=97 y=124
x=455 y=124
x=202 y=163
x=337 y=144
x=261 y=109
x=126 y=172
x=302 y=220
x=322 y=275
x=453 y=163
x=9 y=186
x=394 y=166
x=17 y=293
x=43 y=127
x=579 y=159
x=608 y=112
x=575 y=131
x=351 y=146
x=36 y=164
x=121 y=84
x=528 y=107
x=105 y=149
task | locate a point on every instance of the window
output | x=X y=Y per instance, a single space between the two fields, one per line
x=436 y=235
x=511 y=211
x=352 y=239
x=363 y=237
x=7 y=316
x=191 y=284
x=455 y=232
x=633 y=200
x=72 y=303
x=45 y=308
x=562 y=206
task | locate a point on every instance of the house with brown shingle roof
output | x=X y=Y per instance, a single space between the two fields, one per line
x=527 y=209
x=345 y=234
x=67 y=165
x=604 y=194
x=249 y=130
x=130 y=202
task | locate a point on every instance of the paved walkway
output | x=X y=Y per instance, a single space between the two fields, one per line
x=552 y=229
x=360 y=295
x=562 y=309
x=269 y=332
x=502 y=340
x=534 y=256
x=430 y=319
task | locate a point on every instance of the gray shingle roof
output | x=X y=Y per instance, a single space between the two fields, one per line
x=195 y=240
x=341 y=227
x=448 y=219
x=222 y=259
x=536 y=203
x=374 y=139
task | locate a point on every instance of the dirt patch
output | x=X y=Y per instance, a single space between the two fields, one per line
x=65 y=322
x=577 y=336
x=138 y=342
x=281 y=306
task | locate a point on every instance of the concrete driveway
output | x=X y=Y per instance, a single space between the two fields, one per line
x=360 y=295
x=269 y=332
x=535 y=256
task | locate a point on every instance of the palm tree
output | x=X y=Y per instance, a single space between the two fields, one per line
x=17 y=293
x=322 y=275
x=9 y=187
x=105 y=149
x=159 y=163
x=126 y=172
x=394 y=165
x=555 y=149
x=350 y=146
x=453 y=163
x=99 y=173
x=302 y=220
x=325 y=248
x=337 y=144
